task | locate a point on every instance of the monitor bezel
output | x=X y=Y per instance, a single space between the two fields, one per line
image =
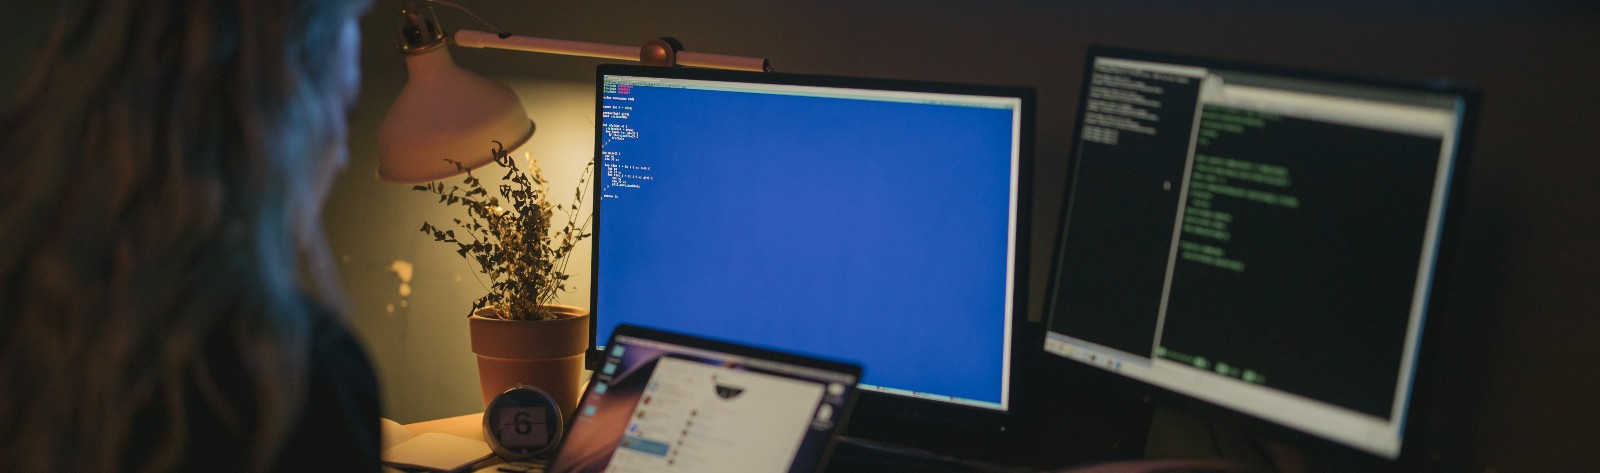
x=1428 y=358
x=880 y=415
x=737 y=349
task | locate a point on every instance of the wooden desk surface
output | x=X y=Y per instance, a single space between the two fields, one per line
x=467 y=425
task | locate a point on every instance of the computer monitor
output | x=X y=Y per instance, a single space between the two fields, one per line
x=879 y=221
x=1256 y=239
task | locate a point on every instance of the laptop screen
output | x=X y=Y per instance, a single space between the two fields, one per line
x=665 y=402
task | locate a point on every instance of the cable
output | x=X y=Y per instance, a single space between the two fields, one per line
x=1216 y=446
x=1266 y=457
x=452 y=4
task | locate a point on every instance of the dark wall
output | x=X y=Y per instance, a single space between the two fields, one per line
x=1519 y=388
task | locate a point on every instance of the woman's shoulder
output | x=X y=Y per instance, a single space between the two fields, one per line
x=339 y=429
x=334 y=346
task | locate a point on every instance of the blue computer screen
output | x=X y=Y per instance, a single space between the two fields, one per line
x=859 y=224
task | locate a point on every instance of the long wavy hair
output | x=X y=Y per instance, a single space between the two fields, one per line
x=163 y=173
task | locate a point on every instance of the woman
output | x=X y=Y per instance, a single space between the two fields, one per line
x=166 y=297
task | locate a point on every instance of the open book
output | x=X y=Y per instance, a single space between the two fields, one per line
x=435 y=452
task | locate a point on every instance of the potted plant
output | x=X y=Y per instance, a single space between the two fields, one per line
x=519 y=333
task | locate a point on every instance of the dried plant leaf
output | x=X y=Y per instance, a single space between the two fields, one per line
x=516 y=247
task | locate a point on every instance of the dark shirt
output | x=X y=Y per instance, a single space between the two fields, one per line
x=339 y=430
x=336 y=430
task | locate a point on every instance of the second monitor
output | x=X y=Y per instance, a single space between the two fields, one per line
x=1257 y=239
x=878 y=221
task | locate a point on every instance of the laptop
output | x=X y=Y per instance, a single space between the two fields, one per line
x=663 y=401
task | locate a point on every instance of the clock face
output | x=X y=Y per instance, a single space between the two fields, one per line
x=522 y=422
x=522 y=427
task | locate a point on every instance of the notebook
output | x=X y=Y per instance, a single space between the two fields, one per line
x=666 y=402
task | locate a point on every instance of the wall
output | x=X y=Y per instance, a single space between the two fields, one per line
x=1518 y=391
x=419 y=341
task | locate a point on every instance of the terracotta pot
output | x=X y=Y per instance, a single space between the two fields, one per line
x=547 y=354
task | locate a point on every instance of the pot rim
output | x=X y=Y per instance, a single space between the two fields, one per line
x=562 y=312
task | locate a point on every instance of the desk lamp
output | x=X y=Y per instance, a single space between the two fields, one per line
x=445 y=112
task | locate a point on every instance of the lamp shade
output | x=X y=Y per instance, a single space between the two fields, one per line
x=445 y=112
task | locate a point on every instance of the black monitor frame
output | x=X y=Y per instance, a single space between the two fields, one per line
x=883 y=416
x=1430 y=355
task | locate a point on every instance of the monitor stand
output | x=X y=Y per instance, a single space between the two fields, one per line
x=1071 y=428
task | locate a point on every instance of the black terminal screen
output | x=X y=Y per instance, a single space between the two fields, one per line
x=1259 y=241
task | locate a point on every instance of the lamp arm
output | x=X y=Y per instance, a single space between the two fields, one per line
x=484 y=39
x=723 y=61
x=657 y=52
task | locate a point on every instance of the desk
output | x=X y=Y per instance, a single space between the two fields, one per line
x=470 y=425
